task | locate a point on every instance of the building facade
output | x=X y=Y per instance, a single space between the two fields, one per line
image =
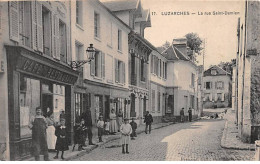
x=103 y=84
x=157 y=89
x=217 y=88
x=36 y=72
x=182 y=82
x=248 y=64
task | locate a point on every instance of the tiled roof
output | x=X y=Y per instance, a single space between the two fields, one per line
x=119 y=5
x=172 y=53
x=219 y=71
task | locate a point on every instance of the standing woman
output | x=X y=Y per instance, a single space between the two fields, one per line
x=51 y=138
x=113 y=126
x=119 y=119
x=38 y=125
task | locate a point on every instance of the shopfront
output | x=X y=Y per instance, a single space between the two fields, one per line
x=36 y=81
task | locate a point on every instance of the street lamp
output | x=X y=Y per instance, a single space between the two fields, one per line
x=90 y=55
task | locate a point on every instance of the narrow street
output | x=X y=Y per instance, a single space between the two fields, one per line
x=198 y=140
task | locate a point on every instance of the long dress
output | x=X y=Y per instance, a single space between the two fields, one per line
x=39 y=141
x=62 y=141
x=51 y=138
x=125 y=130
x=112 y=125
x=120 y=119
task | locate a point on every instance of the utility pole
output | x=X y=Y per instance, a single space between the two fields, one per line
x=202 y=76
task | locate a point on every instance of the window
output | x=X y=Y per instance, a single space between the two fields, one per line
x=79 y=12
x=119 y=40
x=78 y=105
x=192 y=101
x=25 y=22
x=119 y=71
x=192 y=79
x=46 y=28
x=109 y=68
x=219 y=85
x=160 y=67
x=206 y=96
x=153 y=100
x=143 y=70
x=79 y=51
x=97 y=66
x=109 y=33
x=96 y=25
x=165 y=71
x=208 y=85
x=213 y=72
x=159 y=101
x=219 y=96
x=63 y=43
x=152 y=62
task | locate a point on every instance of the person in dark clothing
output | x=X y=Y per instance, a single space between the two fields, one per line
x=88 y=123
x=182 y=114
x=190 y=114
x=62 y=140
x=134 y=127
x=79 y=134
x=148 y=119
x=38 y=125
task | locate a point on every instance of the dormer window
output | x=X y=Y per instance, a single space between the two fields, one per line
x=213 y=72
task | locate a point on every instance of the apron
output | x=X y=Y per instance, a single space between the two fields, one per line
x=39 y=141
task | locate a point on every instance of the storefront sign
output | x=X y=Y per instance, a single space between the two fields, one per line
x=40 y=69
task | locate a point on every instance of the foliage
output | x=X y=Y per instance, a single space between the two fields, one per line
x=194 y=42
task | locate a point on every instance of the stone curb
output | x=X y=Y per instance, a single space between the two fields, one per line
x=223 y=141
x=110 y=140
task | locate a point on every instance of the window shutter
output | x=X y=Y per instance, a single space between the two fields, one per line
x=222 y=85
x=103 y=65
x=152 y=64
x=54 y=44
x=14 y=20
x=216 y=97
x=34 y=25
x=123 y=72
x=210 y=97
x=165 y=70
x=145 y=71
x=39 y=26
x=92 y=67
x=223 y=97
x=69 y=58
x=57 y=37
x=116 y=70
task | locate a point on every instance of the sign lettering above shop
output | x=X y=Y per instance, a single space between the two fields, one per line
x=40 y=69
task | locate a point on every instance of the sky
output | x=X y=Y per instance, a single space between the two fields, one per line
x=219 y=31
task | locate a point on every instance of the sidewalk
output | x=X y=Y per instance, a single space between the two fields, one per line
x=68 y=155
x=230 y=139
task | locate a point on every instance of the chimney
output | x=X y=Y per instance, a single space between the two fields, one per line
x=181 y=44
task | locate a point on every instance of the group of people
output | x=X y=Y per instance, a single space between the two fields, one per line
x=42 y=131
x=189 y=114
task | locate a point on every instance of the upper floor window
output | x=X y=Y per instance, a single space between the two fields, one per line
x=143 y=70
x=46 y=29
x=79 y=12
x=192 y=79
x=109 y=33
x=119 y=40
x=119 y=71
x=219 y=85
x=97 y=65
x=160 y=67
x=159 y=101
x=213 y=72
x=165 y=71
x=153 y=100
x=97 y=25
x=208 y=85
x=79 y=51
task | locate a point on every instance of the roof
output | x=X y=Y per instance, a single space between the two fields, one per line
x=172 y=53
x=119 y=5
x=219 y=71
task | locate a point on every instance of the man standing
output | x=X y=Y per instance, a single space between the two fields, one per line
x=88 y=123
x=148 y=119
x=190 y=114
x=182 y=114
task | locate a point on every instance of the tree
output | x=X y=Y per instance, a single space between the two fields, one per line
x=194 y=42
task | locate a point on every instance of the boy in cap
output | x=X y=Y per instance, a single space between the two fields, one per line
x=100 y=126
x=125 y=130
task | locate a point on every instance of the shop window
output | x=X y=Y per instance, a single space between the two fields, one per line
x=29 y=100
x=78 y=106
x=63 y=42
x=46 y=27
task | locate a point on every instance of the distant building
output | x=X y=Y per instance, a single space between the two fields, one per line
x=217 y=88
x=182 y=82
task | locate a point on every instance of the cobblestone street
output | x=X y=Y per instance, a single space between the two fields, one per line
x=184 y=141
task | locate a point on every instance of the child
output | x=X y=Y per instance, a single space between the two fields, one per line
x=107 y=126
x=100 y=126
x=62 y=142
x=79 y=134
x=125 y=130
x=134 y=127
